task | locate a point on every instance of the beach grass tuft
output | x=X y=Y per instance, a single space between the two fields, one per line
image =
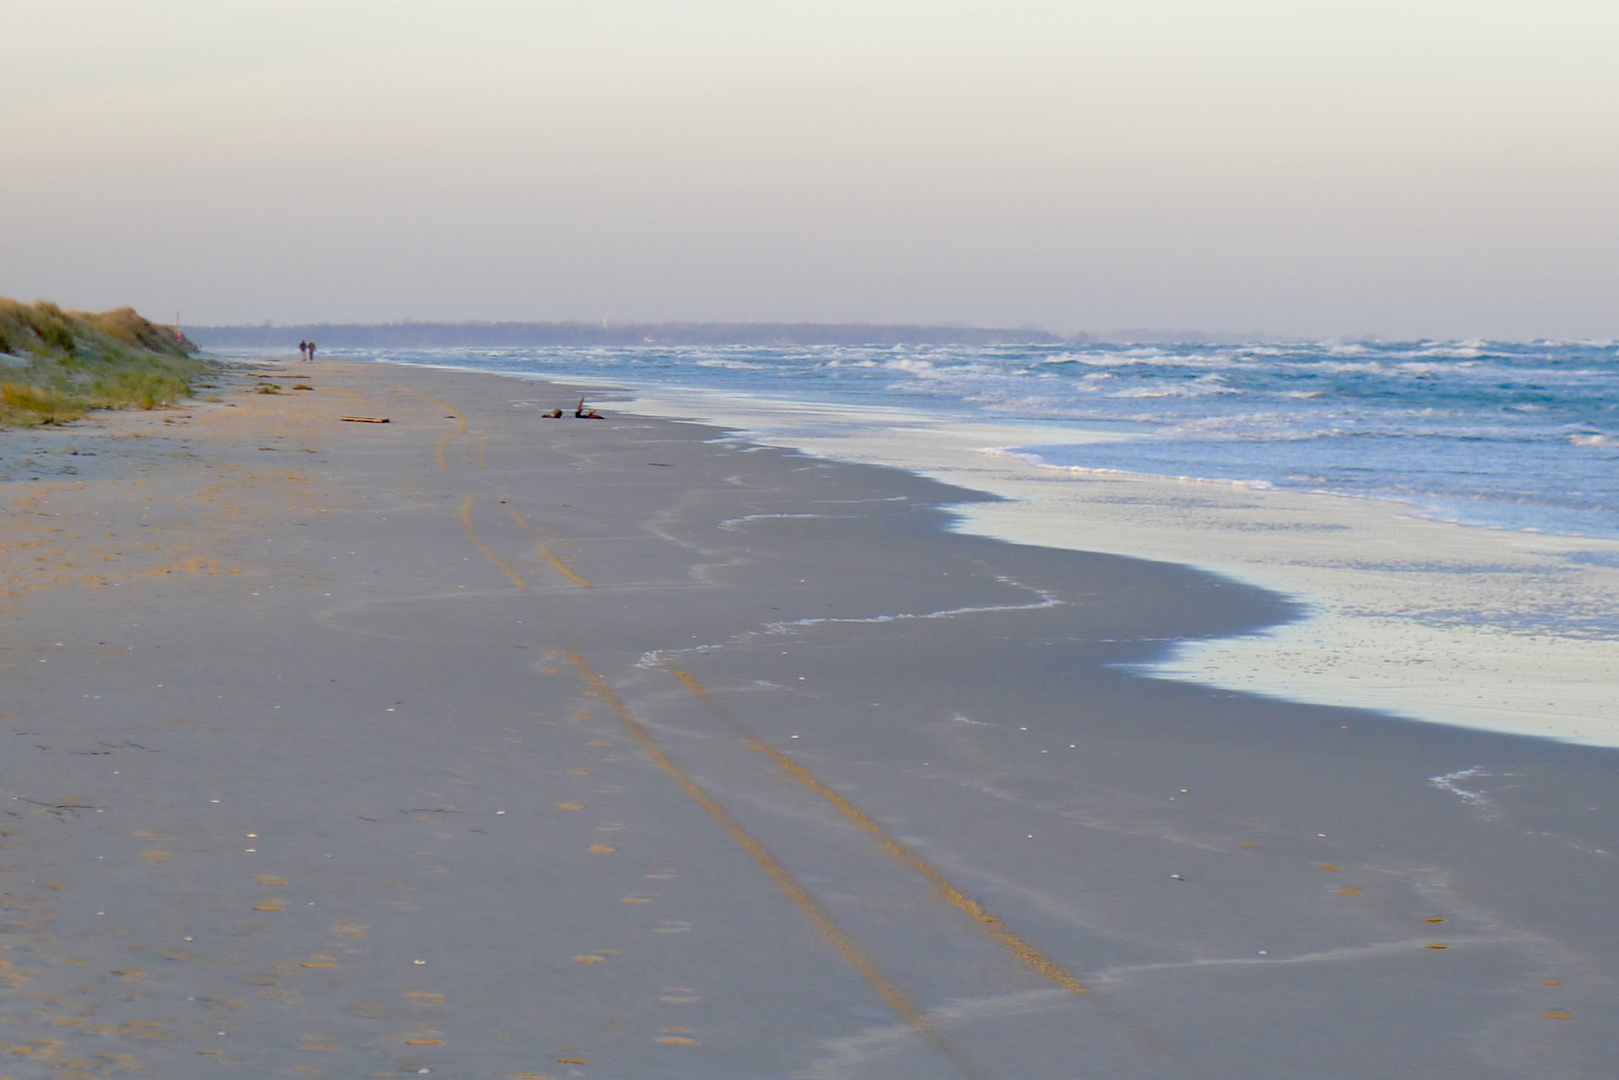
x=57 y=365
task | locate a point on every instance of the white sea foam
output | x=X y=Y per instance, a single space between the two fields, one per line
x=1085 y=470
x=728 y=364
x=1043 y=599
x=736 y=523
x=1452 y=782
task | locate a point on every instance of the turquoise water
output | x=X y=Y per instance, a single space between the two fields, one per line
x=1513 y=436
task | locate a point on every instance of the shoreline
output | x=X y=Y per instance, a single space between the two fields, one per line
x=1397 y=612
x=1378 y=588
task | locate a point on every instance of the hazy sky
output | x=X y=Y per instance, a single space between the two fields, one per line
x=1301 y=167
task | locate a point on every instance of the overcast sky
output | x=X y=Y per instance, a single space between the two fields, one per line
x=1300 y=167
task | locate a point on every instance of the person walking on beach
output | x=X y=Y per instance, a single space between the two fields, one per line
x=303 y=349
x=311 y=355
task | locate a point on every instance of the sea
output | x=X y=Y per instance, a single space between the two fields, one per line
x=1500 y=435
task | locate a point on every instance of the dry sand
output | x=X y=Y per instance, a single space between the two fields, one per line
x=480 y=744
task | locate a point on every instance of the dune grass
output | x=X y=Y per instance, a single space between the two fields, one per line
x=57 y=365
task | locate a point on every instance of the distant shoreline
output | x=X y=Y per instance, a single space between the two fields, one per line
x=498 y=334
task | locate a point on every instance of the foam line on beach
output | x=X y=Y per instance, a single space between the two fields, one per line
x=1045 y=599
x=735 y=524
x=1376 y=951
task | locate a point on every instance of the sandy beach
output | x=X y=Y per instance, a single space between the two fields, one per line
x=479 y=743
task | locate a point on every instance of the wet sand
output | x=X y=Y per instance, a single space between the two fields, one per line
x=481 y=744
